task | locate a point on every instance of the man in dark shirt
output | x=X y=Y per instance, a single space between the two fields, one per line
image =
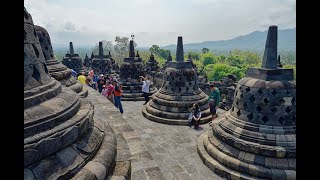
x=100 y=83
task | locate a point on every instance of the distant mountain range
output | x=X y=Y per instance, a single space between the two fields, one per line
x=253 y=41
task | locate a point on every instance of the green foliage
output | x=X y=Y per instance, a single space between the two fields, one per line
x=160 y=52
x=217 y=71
x=205 y=50
x=208 y=58
x=194 y=55
x=235 y=60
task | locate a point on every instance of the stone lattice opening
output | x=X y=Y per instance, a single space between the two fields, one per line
x=258 y=108
x=274 y=92
x=281 y=120
x=250 y=116
x=288 y=109
x=237 y=103
x=288 y=92
x=245 y=106
x=241 y=96
x=282 y=101
x=274 y=109
x=35 y=50
x=252 y=99
x=36 y=74
x=260 y=91
x=46 y=47
x=247 y=89
x=265 y=119
x=266 y=100
x=239 y=113
x=45 y=68
x=293 y=100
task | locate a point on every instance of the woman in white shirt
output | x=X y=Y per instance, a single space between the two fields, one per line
x=145 y=88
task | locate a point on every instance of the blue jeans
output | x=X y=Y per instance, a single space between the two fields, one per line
x=117 y=103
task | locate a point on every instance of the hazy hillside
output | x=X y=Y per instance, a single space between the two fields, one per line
x=253 y=41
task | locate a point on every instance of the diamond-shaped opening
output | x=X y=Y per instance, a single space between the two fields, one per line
x=258 y=108
x=260 y=91
x=239 y=113
x=281 y=120
x=282 y=101
x=266 y=100
x=172 y=89
x=241 y=96
x=288 y=92
x=187 y=89
x=180 y=89
x=274 y=109
x=36 y=74
x=190 y=83
x=245 y=105
x=293 y=100
x=45 y=68
x=250 y=116
x=288 y=109
x=180 y=79
x=274 y=92
x=265 y=119
x=232 y=109
x=35 y=50
x=26 y=15
x=247 y=89
x=237 y=103
x=25 y=35
x=46 y=47
x=35 y=33
x=252 y=99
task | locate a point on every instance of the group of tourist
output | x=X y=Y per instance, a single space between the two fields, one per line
x=109 y=88
x=214 y=101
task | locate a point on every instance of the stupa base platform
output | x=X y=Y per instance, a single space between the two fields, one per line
x=177 y=121
x=233 y=163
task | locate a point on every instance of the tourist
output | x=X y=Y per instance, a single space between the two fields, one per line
x=94 y=81
x=195 y=116
x=110 y=91
x=213 y=110
x=117 y=95
x=88 y=81
x=146 y=88
x=214 y=94
x=82 y=78
x=100 y=83
x=73 y=73
x=91 y=73
x=104 y=91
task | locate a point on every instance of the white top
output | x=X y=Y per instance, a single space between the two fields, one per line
x=145 y=86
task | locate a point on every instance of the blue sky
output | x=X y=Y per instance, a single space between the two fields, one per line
x=85 y=22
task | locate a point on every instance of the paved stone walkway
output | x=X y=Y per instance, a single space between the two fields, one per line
x=160 y=151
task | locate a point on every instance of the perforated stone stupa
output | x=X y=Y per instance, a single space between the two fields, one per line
x=256 y=138
x=86 y=62
x=62 y=139
x=172 y=103
x=101 y=64
x=72 y=60
x=56 y=69
x=130 y=71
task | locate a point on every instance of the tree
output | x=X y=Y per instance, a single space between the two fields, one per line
x=235 y=60
x=121 y=48
x=215 y=72
x=194 y=55
x=208 y=58
x=155 y=49
x=205 y=50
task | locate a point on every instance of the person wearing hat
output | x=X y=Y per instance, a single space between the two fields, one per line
x=110 y=91
x=100 y=83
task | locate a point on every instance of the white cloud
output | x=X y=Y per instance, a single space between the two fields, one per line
x=85 y=22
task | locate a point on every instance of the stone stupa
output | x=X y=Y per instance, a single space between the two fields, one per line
x=130 y=71
x=72 y=60
x=256 y=138
x=56 y=69
x=172 y=103
x=63 y=139
x=86 y=62
x=101 y=64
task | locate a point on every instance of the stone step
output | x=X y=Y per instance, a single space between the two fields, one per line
x=216 y=163
x=174 y=109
